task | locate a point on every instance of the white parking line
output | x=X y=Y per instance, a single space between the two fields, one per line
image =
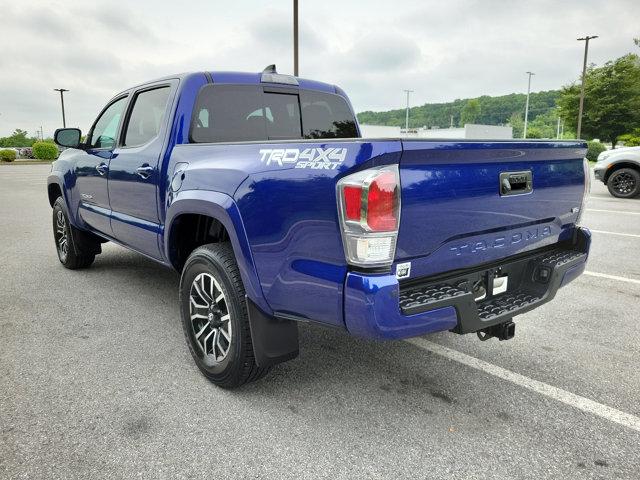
x=612 y=277
x=616 y=233
x=581 y=403
x=612 y=211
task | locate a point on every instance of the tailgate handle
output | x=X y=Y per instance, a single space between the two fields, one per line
x=516 y=183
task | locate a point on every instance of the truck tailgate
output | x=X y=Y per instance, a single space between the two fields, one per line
x=457 y=212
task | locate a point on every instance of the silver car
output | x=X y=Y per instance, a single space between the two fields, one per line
x=619 y=169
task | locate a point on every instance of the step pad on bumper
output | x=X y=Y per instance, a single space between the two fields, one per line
x=533 y=279
x=562 y=257
x=505 y=303
x=429 y=294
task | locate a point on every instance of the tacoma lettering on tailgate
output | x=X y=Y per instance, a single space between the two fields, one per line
x=524 y=236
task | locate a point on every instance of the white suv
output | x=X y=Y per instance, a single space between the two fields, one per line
x=619 y=169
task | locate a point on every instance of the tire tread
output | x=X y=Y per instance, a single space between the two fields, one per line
x=75 y=260
x=222 y=254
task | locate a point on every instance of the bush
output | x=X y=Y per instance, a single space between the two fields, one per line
x=7 y=155
x=594 y=149
x=631 y=139
x=45 y=150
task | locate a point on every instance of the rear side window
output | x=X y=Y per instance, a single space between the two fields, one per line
x=146 y=116
x=228 y=113
x=236 y=113
x=326 y=116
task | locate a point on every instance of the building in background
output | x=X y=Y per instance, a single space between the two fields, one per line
x=470 y=132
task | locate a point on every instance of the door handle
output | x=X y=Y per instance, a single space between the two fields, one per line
x=144 y=171
x=102 y=168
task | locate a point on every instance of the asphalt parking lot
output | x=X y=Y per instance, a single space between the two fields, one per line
x=96 y=379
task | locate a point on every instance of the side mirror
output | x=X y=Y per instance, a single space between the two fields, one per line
x=68 y=137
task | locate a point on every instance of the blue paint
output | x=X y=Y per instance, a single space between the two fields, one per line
x=371 y=306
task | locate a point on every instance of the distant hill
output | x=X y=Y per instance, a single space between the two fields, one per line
x=492 y=111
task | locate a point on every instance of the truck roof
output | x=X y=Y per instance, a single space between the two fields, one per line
x=255 y=79
x=248 y=78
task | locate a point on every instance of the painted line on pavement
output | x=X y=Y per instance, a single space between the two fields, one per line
x=612 y=277
x=634 y=235
x=612 y=211
x=581 y=403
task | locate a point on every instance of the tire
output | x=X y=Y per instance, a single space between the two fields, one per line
x=214 y=317
x=74 y=250
x=624 y=183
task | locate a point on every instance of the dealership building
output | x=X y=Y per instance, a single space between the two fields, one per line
x=469 y=131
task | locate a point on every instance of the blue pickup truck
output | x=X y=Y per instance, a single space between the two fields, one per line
x=259 y=191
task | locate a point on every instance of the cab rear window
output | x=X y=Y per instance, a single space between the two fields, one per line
x=239 y=113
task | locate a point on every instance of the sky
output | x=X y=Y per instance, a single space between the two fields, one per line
x=374 y=49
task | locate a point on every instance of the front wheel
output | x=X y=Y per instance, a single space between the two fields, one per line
x=624 y=183
x=214 y=317
x=72 y=252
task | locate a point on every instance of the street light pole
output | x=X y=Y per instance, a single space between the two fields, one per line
x=584 y=74
x=526 y=108
x=406 y=122
x=62 y=90
x=295 y=38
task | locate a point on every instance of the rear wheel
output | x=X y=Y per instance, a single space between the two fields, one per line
x=624 y=183
x=214 y=317
x=72 y=252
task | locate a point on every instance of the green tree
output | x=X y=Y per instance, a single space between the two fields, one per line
x=631 y=139
x=470 y=112
x=544 y=125
x=493 y=111
x=17 y=139
x=612 y=99
x=517 y=123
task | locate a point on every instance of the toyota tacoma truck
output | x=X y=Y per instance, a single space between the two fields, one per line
x=258 y=190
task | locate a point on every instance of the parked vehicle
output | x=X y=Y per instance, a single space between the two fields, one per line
x=619 y=169
x=257 y=189
x=26 y=152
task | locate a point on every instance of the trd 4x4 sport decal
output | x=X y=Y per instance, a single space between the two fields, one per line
x=315 y=158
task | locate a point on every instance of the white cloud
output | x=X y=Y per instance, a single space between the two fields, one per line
x=373 y=49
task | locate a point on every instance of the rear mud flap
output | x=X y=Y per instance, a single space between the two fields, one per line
x=274 y=340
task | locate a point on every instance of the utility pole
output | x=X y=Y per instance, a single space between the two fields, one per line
x=62 y=90
x=558 y=129
x=295 y=38
x=526 y=108
x=406 y=122
x=584 y=75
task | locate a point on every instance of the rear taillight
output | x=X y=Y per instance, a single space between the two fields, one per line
x=369 y=208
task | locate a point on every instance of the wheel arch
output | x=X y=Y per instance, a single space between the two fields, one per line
x=222 y=218
x=54 y=190
x=618 y=165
